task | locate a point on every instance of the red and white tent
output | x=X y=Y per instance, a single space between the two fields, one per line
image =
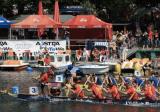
x=86 y=21
x=90 y=24
x=40 y=12
x=56 y=17
x=36 y=21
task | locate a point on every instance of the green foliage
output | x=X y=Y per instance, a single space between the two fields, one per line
x=115 y=10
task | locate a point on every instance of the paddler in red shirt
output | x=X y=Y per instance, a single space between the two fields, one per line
x=150 y=92
x=131 y=92
x=44 y=79
x=78 y=91
x=96 y=90
x=113 y=89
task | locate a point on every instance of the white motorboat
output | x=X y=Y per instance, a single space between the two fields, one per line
x=93 y=69
x=59 y=61
x=14 y=65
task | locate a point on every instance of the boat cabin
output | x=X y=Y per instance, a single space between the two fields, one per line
x=60 y=60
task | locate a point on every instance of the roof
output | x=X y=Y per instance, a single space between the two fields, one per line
x=36 y=21
x=86 y=21
x=63 y=18
x=4 y=23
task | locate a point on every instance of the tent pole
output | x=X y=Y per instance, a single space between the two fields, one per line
x=10 y=33
x=105 y=33
x=57 y=33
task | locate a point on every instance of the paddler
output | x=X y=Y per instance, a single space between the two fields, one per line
x=78 y=91
x=131 y=92
x=149 y=92
x=113 y=90
x=96 y=90
x=44 y=82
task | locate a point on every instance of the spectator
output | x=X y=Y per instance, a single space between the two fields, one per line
x=156 y=38
x=79 y=54
x=145 y=39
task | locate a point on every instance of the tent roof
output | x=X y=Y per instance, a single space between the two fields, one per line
x=63 y=18
x=86 y=21
x=4 y=23
x=36 y=21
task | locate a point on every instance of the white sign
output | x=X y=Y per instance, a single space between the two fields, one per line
x=59 y=78
x=101 y=44
x=33 y=46
x=33 y=91
x=137 y=74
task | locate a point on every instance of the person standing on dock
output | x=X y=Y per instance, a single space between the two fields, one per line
x=79 y=54
x=47 y=60
x=1 y=53
x=10 y=54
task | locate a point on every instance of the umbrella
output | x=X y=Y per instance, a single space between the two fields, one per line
x=56 y=16
x=40 y=12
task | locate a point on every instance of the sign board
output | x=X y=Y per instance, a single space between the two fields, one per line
x=101 y=44
x=34 y=46
x=33 y=91
x=59 y=78
x=137 y=74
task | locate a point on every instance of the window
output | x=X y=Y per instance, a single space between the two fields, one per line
x=52 y=59
x=59 y=59
x=67 y=58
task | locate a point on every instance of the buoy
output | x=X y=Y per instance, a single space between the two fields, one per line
x=29 y=70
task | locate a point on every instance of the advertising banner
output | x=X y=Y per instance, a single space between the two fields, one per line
x=33 y=46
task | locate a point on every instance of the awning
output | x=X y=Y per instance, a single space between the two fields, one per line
x=36 y=21
x=4 y=23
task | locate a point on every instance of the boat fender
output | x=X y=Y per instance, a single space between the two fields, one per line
x=29 y=70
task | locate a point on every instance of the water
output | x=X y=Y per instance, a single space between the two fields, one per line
x=20 y=106
x=22 y=78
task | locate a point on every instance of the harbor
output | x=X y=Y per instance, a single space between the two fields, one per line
x=79 y=56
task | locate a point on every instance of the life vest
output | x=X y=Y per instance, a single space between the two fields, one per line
x=132 y=91
x=78 y=91
x=148 y=91
x=114 y=92
x=97 y=91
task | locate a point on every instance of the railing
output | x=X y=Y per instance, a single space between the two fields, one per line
x=131 y=52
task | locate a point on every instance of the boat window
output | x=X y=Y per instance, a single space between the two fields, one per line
x=67 y=58
x=52 y=59
x=59 y=59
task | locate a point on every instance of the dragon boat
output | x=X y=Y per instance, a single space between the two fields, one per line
x=62 y=99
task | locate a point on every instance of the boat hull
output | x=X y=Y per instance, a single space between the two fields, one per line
x=139 y=103
x=13 y=67
x=93 y=69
